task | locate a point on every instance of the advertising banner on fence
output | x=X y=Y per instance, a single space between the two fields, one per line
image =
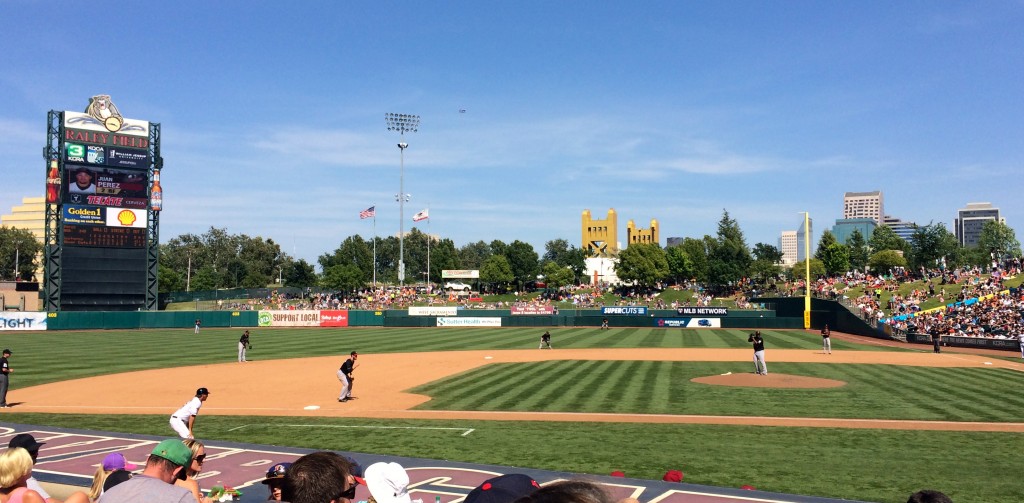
x=12 y=321
x=533 y=310
x=433 y=311
x=469 y=322
x=688 y=323
x=335 y=318
x=702 y=311
x=627 y=310
x=289 y=318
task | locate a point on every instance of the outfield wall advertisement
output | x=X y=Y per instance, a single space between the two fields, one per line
x=469 y=322
x=433 y=311
x=284 y=318
x=688 y=323
x=10 y=322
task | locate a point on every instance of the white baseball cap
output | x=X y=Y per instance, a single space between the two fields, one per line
x=387 y=482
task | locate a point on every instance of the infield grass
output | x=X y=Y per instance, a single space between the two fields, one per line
x=871 y=465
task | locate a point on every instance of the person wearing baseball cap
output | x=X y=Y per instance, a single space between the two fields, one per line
x=156 y=482
x=5 y=370
x=503 y=489
x=275 y=479
x=29 y=443
x=184 y=418
x=83 y=182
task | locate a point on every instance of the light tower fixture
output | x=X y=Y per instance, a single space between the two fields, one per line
x=402 y=123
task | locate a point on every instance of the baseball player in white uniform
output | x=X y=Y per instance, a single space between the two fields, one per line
x=184 y=418
x=1020 y=338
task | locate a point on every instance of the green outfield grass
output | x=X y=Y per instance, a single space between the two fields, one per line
x=871 y=465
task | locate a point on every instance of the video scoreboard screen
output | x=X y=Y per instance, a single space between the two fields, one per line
x=104 y=212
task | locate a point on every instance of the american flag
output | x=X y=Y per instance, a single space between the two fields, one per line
x=368 y=212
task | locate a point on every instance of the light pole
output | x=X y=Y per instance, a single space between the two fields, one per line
x=402 y=123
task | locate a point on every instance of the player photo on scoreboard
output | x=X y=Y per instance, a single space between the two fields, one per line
x=104 y=186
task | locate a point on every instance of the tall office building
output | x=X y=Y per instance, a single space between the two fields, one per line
x=900 y=228
x=864 y=205
x=800 y=255
x=787 y=245
x=971 y=219
x=844 y=228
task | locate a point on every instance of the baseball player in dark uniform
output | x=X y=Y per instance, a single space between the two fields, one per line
x=243 y=344
x=5 y=371
x=826 y=340
x=545 y=340
x=345 y=376
x=760 y=367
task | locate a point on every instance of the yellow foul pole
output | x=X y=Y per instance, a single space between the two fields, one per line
x=807 y=265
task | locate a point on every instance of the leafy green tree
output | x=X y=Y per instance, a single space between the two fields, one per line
x=496 y=271
x=835 y=257
x=827 y=239
x=557 y=276
x=352 y=251
x=799 y=269
x=644 y=264
x=729 y=259
x=999 y=238
x=230 y=260
x=563 y=254
x=299 y=274
x=884 y=238
x=697 y=251
x=930 y=244
x=342 y=277
x=884 y=261
x=473 y=255
x=18 y=244
x=523 y=259
x=680 y=267
x=170 y=280
x=766 y=262
x=204 y=279
x=858 y=250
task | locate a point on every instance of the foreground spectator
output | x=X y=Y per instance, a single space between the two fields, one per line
x=569 y=491
x=503 y=489
x=28 y=442
x=929 y=496
x=156 y=482
x=388 y=483
x=319 y=477
x=275 y=479
x=15 y=470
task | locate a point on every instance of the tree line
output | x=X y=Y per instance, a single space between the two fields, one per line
x=217 y=259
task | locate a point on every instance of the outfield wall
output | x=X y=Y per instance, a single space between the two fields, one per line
x=423 y=317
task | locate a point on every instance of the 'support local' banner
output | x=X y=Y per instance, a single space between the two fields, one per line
x=469 y=322
x=334 y=318
x=22 y=321
x=289 y=318
x=433 y=311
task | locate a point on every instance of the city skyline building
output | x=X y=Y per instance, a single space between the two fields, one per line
x=788 y=247
x=970 y=220
x=899 y=227
x=800 y=234
x=844 y=228
x=864 y=205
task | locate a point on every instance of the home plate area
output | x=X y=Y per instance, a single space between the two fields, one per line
x=70 y=457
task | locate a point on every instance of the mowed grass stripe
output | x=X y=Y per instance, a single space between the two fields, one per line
x=871 y=392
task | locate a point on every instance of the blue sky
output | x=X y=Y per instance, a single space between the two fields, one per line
x=272 y=113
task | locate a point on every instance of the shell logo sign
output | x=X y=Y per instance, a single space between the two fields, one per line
x=126 y=217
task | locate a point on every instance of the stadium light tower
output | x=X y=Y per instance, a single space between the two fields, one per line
x=402 y=123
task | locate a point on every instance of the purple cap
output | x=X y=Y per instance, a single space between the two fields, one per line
x=116 y=461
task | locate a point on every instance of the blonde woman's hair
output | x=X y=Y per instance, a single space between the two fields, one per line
x=98 y=479
x=15 y=466
x=195 y=446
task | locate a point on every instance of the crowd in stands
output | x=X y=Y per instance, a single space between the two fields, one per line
x=170 y=475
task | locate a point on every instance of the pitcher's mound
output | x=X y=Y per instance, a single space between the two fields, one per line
x=769 y=381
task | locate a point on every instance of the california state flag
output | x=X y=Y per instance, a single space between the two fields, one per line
x=423 y=215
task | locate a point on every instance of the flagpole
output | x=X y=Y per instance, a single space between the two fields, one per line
x=428 y=243
x=374 y=246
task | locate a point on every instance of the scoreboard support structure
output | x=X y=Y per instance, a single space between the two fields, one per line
x=98 y=255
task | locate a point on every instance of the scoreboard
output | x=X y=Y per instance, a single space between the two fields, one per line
x=104 y=210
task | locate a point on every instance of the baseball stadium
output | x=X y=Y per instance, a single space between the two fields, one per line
x=861 y=423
